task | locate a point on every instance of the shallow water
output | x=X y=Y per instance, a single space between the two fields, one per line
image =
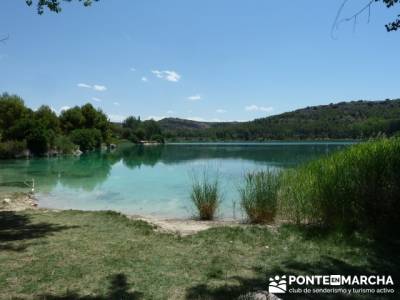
x=152 y=180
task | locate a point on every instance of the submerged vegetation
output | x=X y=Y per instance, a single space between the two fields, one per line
x=259 y=196
x=205 y=195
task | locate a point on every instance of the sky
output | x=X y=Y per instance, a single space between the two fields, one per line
x=203 y=60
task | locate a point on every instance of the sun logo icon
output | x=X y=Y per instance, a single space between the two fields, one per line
x=277 y=285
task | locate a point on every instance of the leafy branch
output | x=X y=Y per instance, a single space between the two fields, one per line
x=54 y=5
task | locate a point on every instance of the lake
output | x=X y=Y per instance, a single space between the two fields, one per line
x=153 y=180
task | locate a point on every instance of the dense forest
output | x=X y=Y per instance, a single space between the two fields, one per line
x=26 y=132
x=344 y=120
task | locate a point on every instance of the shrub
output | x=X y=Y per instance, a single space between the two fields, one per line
x=63 y=144
x=357 y=188
x=206 y=197
x=259 y=195
x=38 y=139
x=86 y=139
x=157 y=138
x=12 y=149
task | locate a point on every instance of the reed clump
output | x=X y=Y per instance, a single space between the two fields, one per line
x=357 y=188
x=205 y=195
x=259 y=195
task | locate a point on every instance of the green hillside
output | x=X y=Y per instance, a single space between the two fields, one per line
x=344 y=120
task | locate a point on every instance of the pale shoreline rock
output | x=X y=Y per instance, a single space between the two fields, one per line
x=18 y=202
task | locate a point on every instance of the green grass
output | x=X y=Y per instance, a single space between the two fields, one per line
x=104 y=255
x=205 y=195
x=357 y=188
x=259 y=196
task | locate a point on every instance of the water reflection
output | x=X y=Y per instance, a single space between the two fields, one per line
x=147 y=179
x=89 y=170
x=278 y=154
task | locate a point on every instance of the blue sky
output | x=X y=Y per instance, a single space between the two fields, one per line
x=205 y=60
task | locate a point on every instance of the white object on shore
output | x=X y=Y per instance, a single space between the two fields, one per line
x=77 y=152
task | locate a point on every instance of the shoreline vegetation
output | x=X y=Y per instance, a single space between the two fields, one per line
x=25 y=132
x=43 y=132
x=355 y=189
x=335 y=215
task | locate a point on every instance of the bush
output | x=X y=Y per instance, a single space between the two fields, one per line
x=86 y=139
x=259 y=196
x=205 y=196
x=12 y=149
x=38 y=139
x=63 y=144
x=157 y=138
x=357 y=188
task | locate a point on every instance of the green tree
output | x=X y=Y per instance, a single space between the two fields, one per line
x=131 y=123
x=38 y=139
x=47 y=118
x=20 y=130
x=12 y=109
x=71 y=119
x=87 y=139
x=96 y=119
x=151 y=128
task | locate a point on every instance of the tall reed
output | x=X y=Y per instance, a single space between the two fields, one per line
x=357 y=188
x=259 y=195
x=206 y=196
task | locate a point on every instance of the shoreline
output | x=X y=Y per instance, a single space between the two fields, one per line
x=24 y=201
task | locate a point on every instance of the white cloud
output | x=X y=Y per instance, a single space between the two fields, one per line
x=99 y=88
x=58 y=111
x=116 y=103
x=96 y=87
x=172 y=76
x=167 y=75
x=194 y=97
x=132 y=69
x=157 y=73
x=84 y=85
x=254 y=107
x=144 y=79
x=116 y=118
x=66 y=107
x=96 y=99
x=221 y=111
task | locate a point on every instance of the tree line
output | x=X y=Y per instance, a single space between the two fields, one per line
x=345 y=120
x=24 y=131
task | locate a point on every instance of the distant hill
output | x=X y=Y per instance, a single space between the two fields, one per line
x=172 y=124
x=356 y=119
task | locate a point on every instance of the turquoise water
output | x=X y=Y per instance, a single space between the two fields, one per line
x=152 y=180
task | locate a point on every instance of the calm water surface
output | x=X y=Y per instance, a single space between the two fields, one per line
x=152 y=180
